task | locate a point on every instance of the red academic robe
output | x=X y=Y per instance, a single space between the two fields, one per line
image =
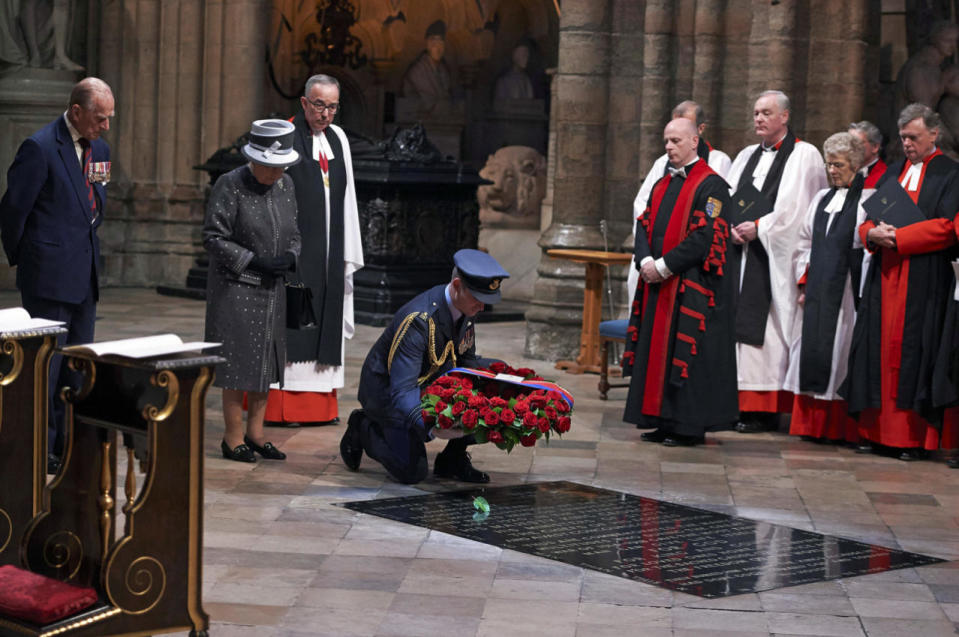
x=896 y=421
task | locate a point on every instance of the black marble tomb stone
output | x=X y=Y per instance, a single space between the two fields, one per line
x=677 y=547
x=413 y=218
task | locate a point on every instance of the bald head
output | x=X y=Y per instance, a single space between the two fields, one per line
x=681 y=139
x=86 y=90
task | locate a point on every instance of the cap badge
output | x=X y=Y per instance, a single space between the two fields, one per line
x=494 y=284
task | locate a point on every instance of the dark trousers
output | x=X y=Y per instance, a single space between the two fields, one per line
x=79 y=320
x=401 y=450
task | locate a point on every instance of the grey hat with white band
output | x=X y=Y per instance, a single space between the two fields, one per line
x=271 y=143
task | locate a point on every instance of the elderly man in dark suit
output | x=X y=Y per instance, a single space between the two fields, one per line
x=48 y=223
x=427 y=337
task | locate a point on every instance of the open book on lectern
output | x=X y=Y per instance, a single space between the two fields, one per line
x=17 y=319
x=141 y=347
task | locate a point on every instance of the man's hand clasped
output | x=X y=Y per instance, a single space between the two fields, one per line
x=883 y=235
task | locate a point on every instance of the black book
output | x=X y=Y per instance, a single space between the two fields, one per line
x=749 y=204
x=892 y=204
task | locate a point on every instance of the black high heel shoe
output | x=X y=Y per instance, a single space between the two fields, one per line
x=268 y=451
x=240 y=453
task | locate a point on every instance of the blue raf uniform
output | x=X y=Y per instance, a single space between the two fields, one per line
x=423 y=341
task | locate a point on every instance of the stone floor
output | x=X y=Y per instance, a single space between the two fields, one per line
x=281 y=559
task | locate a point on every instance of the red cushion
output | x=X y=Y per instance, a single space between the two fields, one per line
x=39 y=599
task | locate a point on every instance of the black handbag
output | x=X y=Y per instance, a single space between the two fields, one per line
x=299 y=307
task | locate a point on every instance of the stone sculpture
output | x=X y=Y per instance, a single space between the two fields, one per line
x=513 y=199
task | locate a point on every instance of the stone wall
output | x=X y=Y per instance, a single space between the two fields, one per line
x=188 y=78
x=624 y=64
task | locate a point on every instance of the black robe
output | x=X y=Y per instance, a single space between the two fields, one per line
x=323 y=273
x=692 y=370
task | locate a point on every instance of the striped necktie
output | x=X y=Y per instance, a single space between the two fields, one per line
x=87 y=160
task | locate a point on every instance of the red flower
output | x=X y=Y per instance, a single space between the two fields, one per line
x=458 y=408
x=525 y=372
x=495 y=436
x=563 y=425
x=498 y=367
x=446 y=381
x=440 y=406
x=529 y=420
x=428 y=419
x=464 y=393
x=528 y=441
x=521 y=407
x=551 y=413
x=554 y=395
x=543 y=424
x=445 y=422
x=538 y=399
x=562 y=406
x=496 y=401
x=469 y=419
x=466 y=383
x=447 y=394
x=491 y=418
x=507 y=416
x=477 y=402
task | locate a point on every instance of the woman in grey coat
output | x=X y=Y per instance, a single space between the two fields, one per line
x=251 y=235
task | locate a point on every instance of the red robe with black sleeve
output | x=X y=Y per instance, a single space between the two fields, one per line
x=680 y=345
x=900 y=318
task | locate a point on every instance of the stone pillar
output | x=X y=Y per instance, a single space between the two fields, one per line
x=188 y=77
x=582 y=94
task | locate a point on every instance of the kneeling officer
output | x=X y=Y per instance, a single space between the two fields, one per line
x=427 y=337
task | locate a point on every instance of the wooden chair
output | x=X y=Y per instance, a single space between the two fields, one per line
x=609 y=332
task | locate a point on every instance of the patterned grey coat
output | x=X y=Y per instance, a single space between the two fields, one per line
x=246 y=311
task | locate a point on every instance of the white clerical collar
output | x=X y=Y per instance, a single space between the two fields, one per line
x=456 y=314
x=680 y=172
x=910 y=181
x=838 y=200
x=320 y=141
x=864 y=171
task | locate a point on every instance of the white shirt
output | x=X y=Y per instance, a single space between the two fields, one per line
x=76 y=139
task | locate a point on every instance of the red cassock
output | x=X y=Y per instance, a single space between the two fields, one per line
x=911 y=310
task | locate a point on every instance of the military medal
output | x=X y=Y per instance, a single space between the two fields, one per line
x=98 y=172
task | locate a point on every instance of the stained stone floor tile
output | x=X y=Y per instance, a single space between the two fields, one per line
x=281 y=560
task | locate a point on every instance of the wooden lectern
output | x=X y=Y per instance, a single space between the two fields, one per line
x=148 y=573
x=24 y=365
x=596 y=262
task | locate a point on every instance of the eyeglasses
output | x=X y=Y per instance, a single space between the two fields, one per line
x=320 y=107
x=836 y=164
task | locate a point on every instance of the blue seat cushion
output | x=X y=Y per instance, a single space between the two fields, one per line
x=614 y=329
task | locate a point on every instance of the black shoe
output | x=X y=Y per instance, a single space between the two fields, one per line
x=268 y=451
x=53 y=464
x=810 y=439
x=750 y=427
x=953 y=463
x=458 y=467
x=656 y=435
x=909 y=455
x=280 y=423
x=351 y=444
x=676 y=440
x=865 y=447
x=240 y=453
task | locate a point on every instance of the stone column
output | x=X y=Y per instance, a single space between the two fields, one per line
x=582 y=93
x=188 y=77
